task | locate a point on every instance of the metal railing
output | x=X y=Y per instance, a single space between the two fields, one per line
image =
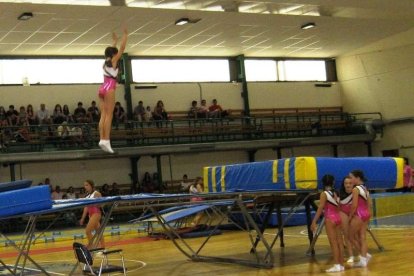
x=38 y=138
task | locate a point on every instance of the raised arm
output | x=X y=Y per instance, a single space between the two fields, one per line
x=114 y=39
x=121 y=49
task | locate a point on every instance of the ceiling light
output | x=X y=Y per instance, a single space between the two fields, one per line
x=182 y=21
x=309 y=25
x=25 y=16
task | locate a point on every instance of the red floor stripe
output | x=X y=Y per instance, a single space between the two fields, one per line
x=69 y=248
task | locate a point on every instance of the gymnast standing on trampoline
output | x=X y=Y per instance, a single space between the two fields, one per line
x=328 y=204
x=94 y=213
x=107 y=90
x=359 y=217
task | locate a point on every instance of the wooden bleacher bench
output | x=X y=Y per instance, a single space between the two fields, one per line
x=178 y=115
x=270 y=112
x=174 y=186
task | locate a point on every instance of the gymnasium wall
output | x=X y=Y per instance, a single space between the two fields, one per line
x=379 y=78
x=176 y=97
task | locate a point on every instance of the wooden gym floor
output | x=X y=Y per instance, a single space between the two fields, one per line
x=147 y=256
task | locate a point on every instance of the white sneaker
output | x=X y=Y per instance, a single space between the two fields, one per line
x=342 y=267
x=102 y=144
x=107 y=146
x=369 y=256
x=335 y=268
x=350 y=260
x=362 y=262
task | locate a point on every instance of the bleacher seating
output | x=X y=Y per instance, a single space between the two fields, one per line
x=262 y=123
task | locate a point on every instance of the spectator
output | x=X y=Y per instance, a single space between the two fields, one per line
x=67 y=114
x=93 y=113
x=119 y=114
x=407 y=175
x=147 y=186
x=12 y=116
x=22 y=132
x=193 y=112
x=216 y=111
x=203 y=110
x=67 y=133
x=57 y=193
x=43 y=116
x=156 y=182
x=149 y=113
x=31 y=117
x=197 y=188
x=58 y=116
x=159 y=113
x=114 y=190
x=140 y=113
x=105 y=190
x=63 y=131
x=3 y=117
x=70 y=194
x=23 y=117
x=185 y=185
x=80 y=114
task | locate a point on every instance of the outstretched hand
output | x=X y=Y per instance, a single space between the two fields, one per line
x=114 y=36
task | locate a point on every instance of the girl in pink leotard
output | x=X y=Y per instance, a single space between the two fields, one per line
x=345 y=196
x=94 y=213
x=107 y=90
x=328 y=204
x=359 y=216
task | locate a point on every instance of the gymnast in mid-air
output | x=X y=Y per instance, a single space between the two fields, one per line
x=107 y=89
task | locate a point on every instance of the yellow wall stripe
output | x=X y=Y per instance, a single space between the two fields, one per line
x=305 y=173
x=213 y=179
x=274 y=172
x=400 y=172
x=205 y=176
x=286 y=172
x=222 y=179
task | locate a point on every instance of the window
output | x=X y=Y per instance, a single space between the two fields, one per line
x=50 y=71
x=302 y=70
x=180 y=70
x=260 y=70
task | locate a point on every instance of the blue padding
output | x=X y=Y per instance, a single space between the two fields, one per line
x=180 y=214
x=15 y=185
x=380 y=172
x=197 y=234
x=25 y=200
x=302 y=173
x=250 y=176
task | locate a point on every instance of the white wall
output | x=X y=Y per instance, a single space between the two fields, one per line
x=379 y=78
x=292 y=94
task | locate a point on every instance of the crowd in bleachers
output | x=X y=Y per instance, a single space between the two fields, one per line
x=15 y=124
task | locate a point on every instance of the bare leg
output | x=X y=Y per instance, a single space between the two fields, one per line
x=333 y=232
x=102 y=119
x=93 y=225
x=363 y=238
x=345 y=231
x=354 y=230
x=109 y=104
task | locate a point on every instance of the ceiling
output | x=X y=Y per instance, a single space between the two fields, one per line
x=225 y=28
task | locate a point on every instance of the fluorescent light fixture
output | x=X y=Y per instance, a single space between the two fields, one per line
x=309 y=25
x=25 y=16
x=182 y=21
